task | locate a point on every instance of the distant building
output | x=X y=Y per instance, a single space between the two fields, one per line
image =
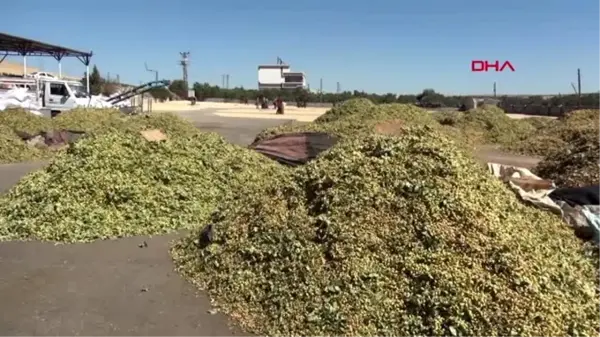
x=280 y=76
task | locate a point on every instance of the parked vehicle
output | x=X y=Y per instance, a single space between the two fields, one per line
x=41 y=75
x=54 y=96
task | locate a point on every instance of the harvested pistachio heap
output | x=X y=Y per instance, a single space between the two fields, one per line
x=116 y=183
x=13 y=121
x=89 y=120
x=392 y=236
x=360 y=117
x=347 y=108
x=489 y=125
x=575 y=164
x=22 y=120
x=13 y=149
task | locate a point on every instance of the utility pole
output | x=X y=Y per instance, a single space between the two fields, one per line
x=578 y=87
x=185 y=62
x=321 y=89
x=152 y=71
x=494 y=89
x=338 y=88
x=225 y=81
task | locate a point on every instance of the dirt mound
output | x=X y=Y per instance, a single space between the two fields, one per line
x=392 y=236
x=117 y=184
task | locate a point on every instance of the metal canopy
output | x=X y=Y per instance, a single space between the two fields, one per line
x=11 y=45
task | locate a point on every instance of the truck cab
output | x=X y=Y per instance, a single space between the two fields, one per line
x=59 y=95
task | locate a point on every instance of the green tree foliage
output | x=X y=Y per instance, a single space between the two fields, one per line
x=428 y=97
x=100 y=85
x=161 y=94
x=96 y=81
x=179 y=88
x=205 y=91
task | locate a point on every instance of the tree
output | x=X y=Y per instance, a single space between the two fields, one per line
x=179 y=88
x=161 y=94
x=96 y=81
x=109 y=88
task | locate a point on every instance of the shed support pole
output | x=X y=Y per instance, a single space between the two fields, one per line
x=58 y=57
x=24 y=65
x=85 y=59
x=87 y=78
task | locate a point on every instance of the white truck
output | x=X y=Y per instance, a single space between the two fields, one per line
x=53 y=96
x=59 y=95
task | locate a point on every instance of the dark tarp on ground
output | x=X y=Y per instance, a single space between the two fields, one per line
x=577 y=196
x=51 y=138
x=294 y=149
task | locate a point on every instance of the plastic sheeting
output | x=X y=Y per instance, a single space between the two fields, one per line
x=54 y=138
x=22 y=98
x=19 y=98
x=294 y=149
x=529 y=187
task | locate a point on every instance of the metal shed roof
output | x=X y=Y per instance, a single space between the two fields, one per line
x=11 y=45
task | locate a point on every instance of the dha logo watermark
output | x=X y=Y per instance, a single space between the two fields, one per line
x=484 y=66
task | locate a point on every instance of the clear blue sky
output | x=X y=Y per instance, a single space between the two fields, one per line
x=376 y=45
